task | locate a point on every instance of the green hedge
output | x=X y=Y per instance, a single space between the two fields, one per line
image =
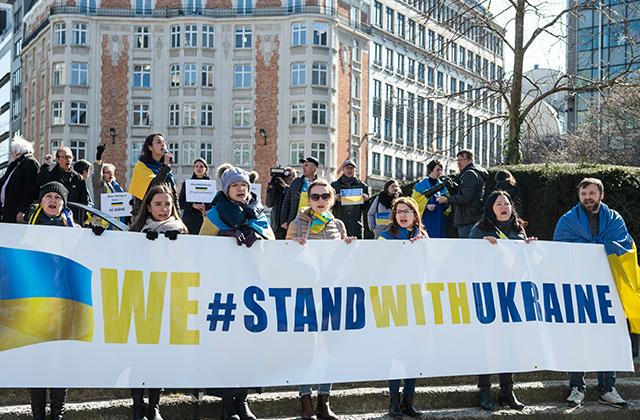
x=549 y=190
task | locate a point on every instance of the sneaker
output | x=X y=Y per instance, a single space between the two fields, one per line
x=612 y=398
x=576 y=398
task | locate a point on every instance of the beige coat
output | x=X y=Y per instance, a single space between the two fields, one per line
x=299 y=228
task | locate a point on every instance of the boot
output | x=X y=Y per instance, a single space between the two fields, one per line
x=228 y=411
x=394 y=405
x=507 y=397
x=485 y=400
x=38 y=403
x=137 y=395
x=306 y=404
x=154 y=404
x=408 y=408
x=323 y=410
x=242 y=407
x=57 y=402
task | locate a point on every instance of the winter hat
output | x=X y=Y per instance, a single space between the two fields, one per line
x=55 y=187
x=233 y=175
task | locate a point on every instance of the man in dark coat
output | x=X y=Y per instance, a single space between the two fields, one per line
x=19 y=186
x=297 y=196
x=276 y=192
x=350 y=214
x=63 y=173
x=467 y=202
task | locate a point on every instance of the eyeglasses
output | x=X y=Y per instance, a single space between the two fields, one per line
x=65 y=157
x=317 y=197
x=404 y=212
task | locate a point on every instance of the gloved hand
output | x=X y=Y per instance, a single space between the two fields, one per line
x=233 y=233
x=100 y=151
x=97 y=229
x=152 y=235
x=172 y=235
x=251 y=238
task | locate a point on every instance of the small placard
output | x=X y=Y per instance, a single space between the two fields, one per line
x=200 y=190
x=116 y=204
x=256 y=189
x=351 y=197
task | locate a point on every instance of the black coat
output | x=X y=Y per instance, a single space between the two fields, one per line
x=467 y=202
x=22 y=187
x=351 y=216
x=191 y=217
x=275 y=197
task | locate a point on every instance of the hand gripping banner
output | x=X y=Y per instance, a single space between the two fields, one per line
x=119 y=310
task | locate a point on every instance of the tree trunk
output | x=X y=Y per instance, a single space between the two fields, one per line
x=513 y=154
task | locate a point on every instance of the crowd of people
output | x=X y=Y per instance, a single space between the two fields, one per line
x=303 y=208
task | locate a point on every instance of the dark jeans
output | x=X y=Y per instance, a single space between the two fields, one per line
x=606 y=381
x=464 y=231
x=506 y=381
x=39 y=400
x=409 y=386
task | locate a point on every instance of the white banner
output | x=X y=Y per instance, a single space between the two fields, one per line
x=116 y=204
x=203 y=312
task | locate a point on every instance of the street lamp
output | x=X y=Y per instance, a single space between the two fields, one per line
x=112 y=133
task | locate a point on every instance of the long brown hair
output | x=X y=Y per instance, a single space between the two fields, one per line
x=139 y=222
x=145 y=153
x=411 y=203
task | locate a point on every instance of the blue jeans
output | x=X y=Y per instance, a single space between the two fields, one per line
x=323 y=389
x=464 y=231
x=606 y=381
x=409 y=386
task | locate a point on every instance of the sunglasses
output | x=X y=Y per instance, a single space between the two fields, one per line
x=317 y=197
x=404 y=212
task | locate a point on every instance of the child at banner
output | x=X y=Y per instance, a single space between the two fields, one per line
x=379 y=214
x=317 y=222
x=499 y=221
x=152 y=169
x=433 y=213
x=405 y=224
x=51 y=211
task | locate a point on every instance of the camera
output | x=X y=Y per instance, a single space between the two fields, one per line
x=280 y=173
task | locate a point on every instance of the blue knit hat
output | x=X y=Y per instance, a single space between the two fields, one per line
x=233 y=175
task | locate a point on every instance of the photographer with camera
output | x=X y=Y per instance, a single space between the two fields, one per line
x=297 y=196
x=277 y=189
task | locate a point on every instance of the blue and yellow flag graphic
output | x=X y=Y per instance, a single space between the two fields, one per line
x=43 y=297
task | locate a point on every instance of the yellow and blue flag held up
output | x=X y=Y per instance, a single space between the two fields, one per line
x=43 y=297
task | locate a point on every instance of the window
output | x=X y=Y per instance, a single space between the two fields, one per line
x=208 y=32
x=78 y=113
x=355 y=123
x=454 y=53
x=298 y=74
x=79 y=74
x=141 y=115
x=143 y=7
x=190 y=76
x=377 y=14
x=400 y=67
x=377 y=89
x=387 y=166
x=175 y=36
x=243 y=37
x=206 y=152
x=421 y=37
x=389 y=21
x=242 y=76
x=298 y=113
x=142 y=76
x=296 y=152
x=462 y=56
x=375 y=166
x=241 y=154
x=206 y=115
x=241 y=116
x=356 y=87
x=420 y=72
x=389 y=64
x=58 y=74
x=453 y=84
x=244 y=6
x=400 y=27
x=410 y=170
x=174 y=75
x=431 y=76
x=174 y=149
x=190 y=36
x=440 y=80
x=79 y=33
x=411 y=31
x=59 y=34
x=189 y=151
x=174 y=115
x=319 y=151
x=136 y=149
x=298 y=34
x=207 y=75
x=319 y=113
x=320 y=34
x=377 y=54
x=141 y=37
x=432 y=40
x=399 y=168
x=411 y=68
x=319 y=74
x=189 y=110
x=419 y=169
x=78 y=148
x=57 y=113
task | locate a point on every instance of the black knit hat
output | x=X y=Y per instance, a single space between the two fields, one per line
x=55 y=187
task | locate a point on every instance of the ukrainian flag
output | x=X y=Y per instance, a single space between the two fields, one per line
x=43 y=297
x=140 y=180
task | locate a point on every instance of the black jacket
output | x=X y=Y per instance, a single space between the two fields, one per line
x=22 y=187
x=467 y=202
x=275 y=197
x=510 y=231
x=289 y=209
x=191 y=217
x=351 y=216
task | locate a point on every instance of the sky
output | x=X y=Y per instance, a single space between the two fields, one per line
x=547 y=51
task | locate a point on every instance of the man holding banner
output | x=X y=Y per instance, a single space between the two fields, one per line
x=592 y=221
x=351 y=195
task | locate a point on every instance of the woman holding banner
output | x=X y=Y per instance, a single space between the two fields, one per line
x=193 y=213
x=500 y=221
x=379 y=214
x=152 y=169
x=317 y=222
x=405 y=225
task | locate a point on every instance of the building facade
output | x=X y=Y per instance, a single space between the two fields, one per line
x=430 y=63
x=255 y=83
x=6 y=46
